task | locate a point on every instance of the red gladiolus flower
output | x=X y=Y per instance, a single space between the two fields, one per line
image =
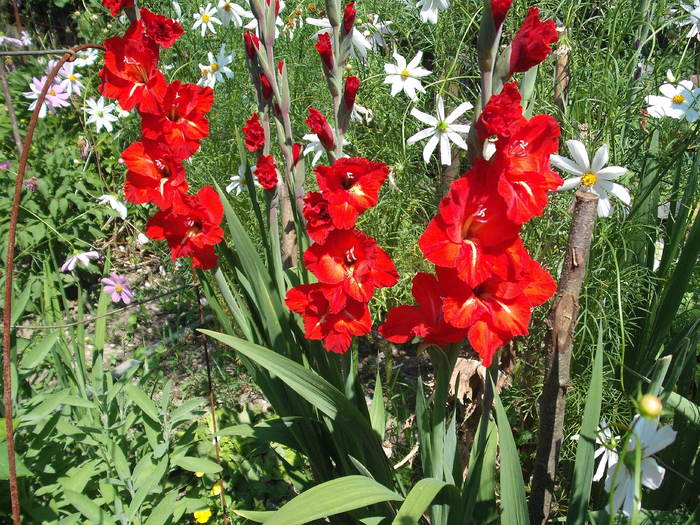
x=502 y=113
x=493 y=312
x=318 y=220
x=252 y=43
x=130 y=74
x=354 y=262
x=266 y=87
x=180 y=121
x=254 y=133
x=153 y=174
x=351 y=186
x=325 y=49
x=499 y=10
x=265 y=172
x=349 y=14
x=191 y=227
x=352 y=84
x=470 y=232
x=523 y=163
x=319 y=125
x=115 y=6
x=163 y=31
x=424 y=320
x=334 y=329
x=531 y=44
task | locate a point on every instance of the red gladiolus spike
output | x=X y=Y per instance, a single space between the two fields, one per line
x=494 y=312
x=325 y=50
x=163 y=31
x=351 y=186
x=318 y=220
x=115 y=6
x=424 y=320
x=253 y=133
x=531 y=44
x=522 y=163
x=180 y=121
x=334 y=329
x=251 y=42
x=130 y=74
x=319 y=125
x=265 y=172
x=153 y=174
x=349 y=14
x=499 y=10
x=470 y=231
x=351 y=259
x=191 y=227
x=352 y=84
x=502 y=114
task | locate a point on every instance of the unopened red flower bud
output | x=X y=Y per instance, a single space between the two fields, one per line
x=499 y=10
x=266 y=87
x=349 y=14
x=352 y=84
x=252 y=43
x=325 y=49
x=296 y=152
x=280 y=66
x=319 y=125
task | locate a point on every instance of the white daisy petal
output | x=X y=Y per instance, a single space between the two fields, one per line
x=579 y=153
x=430 y=147
x=565 y=164
x=600 y=158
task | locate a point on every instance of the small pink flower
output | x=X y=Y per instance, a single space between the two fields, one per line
x=83 y=258
x=32 y=184
x=116 y=285
x=4 y=165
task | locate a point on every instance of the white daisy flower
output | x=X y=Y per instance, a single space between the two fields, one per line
x=651 y=438
x=404 y=77
x=375 y=31
x=359 y=46
x=314 y=146
x=429 y=9
x=238 y=182
x=86 y=57
x=219 y=66
x=230 y=12
x=693 y=19
x=206 y=19
x=679 y=101
x=442 y=130
x=70 y=79
x=100 y=114
x=361 y=114
x=592 y=176
x=114 y=203
x=606 y=451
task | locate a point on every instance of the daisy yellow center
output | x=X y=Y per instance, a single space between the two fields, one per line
x=214 y=67
x=678 y=99
x=205 y=18
x=442 y=126
x=227 y=6
x=52 y=92
x=119 y=288
x=405 y=74
x=589 y=179
x=72 y=78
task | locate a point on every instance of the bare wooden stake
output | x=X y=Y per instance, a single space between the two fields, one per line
x=562 y=321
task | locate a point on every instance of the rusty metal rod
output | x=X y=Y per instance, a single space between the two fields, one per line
x=9 y=268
